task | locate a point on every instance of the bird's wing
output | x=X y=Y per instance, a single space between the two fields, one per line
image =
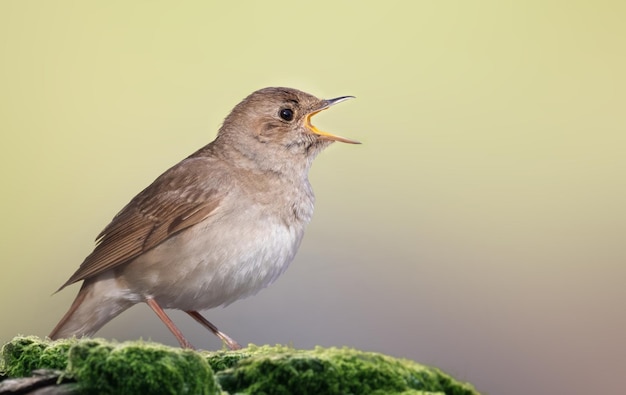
x=173 y=202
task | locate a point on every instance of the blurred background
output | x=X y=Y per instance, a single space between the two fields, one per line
x=480 y=227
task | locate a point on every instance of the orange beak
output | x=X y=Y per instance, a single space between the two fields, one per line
x=326 y=104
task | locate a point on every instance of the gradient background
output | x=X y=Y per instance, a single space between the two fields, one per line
x=480 y=227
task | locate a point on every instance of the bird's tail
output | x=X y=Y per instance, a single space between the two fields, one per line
x=95 y=305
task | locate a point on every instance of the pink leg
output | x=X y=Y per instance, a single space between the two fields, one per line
x=233 y=345
x=169 y=323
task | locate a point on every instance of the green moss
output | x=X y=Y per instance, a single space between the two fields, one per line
x=222 y=360
x=140 y=368
x=103 y=367
x=283 y=370
x=109 y=368
x=22 y=355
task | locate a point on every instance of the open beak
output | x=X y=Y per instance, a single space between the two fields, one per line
x=324 y=105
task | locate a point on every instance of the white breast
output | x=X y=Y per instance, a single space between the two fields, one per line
x=222 y=259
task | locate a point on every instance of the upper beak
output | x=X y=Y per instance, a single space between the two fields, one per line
x=324 y=105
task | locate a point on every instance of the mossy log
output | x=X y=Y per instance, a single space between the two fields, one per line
x=96 y=366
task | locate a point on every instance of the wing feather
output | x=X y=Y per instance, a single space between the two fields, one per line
x=173 y=202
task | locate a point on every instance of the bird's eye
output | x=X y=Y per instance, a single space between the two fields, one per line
x=286 y=114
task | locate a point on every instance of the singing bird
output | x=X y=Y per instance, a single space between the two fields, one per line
x=218 y=226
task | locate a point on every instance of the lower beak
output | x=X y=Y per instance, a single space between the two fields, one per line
x=324 y=105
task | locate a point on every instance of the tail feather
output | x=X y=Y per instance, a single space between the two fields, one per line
x=94 y=306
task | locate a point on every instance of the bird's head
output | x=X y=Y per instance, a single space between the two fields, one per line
x=273 y=126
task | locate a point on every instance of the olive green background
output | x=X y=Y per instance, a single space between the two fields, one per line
x=480 y=227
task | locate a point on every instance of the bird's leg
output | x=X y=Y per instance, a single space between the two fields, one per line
x=169 y=323
x=233 y=345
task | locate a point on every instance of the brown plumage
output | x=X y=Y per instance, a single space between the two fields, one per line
x=218 y=226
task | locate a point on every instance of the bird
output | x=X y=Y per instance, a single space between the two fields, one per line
x=218 y=226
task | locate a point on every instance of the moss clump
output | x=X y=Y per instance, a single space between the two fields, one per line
x=22 y=355
x=110 y=368
x=102 y=367
x=283 y=370
x=140 y=368
x=222 y=360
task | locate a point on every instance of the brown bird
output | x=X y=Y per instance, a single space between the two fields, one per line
x=219 y=226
